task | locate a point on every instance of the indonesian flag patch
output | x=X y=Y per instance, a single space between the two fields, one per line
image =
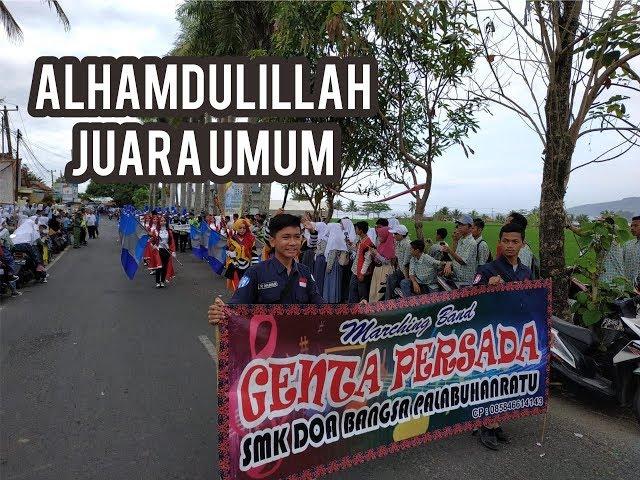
x=302 y=282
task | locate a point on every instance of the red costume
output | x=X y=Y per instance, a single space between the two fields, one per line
x=152 y=245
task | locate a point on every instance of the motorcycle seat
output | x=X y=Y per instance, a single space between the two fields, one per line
x=576 y=332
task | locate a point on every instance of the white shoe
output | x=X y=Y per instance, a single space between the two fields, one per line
x=161 y=284
x=157 y=285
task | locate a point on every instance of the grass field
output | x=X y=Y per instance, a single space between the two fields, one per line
x=490 y=234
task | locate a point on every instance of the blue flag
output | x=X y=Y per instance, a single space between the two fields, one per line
x=217 y=252
x=134 y=240
x=196 y=240
x=203 y=248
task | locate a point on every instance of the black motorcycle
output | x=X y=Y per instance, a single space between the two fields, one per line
x=605 y=360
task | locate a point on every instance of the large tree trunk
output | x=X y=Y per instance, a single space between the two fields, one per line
x=557 y=158
x=418 y=216
x=189 y=196
x=421 y=201
x=183 y=196
x=173 y=193
x=330 y=207
x=197 y=202
x=220 y=188
x=207 y=197
x=245 y=205
x=151 y=195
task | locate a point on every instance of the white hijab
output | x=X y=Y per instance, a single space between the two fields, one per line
x=335 y=240
x=26 y=233
x=322 y=229
x=371 y=233
x=347 y=226
x=393 y=223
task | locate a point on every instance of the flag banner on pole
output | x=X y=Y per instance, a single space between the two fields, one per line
x=203 y=248
x=305 y=391
x=134 y=240
x=217 y=251
x=196 y=240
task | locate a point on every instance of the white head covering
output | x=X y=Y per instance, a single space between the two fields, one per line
x=322 y=229
x=393 y=222
x=27 y=232
x=335 y=239
x=371 y=233
x=347 y=226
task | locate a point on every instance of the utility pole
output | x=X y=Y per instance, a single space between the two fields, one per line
x=6 y=128
x=18 y=172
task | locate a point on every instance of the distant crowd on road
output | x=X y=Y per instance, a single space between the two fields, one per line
x=31 y=235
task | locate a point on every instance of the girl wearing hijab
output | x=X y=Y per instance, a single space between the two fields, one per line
x=163 y=249
x=349 y=232
x=240 y=252
x=336 y=247
x=320 y=261
x=383 y=255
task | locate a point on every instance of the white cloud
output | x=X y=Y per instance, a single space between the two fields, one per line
x=504 y=173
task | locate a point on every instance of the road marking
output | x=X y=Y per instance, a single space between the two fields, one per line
x=58 y=257
x=210 y=348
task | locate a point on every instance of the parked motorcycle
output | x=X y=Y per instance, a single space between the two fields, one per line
x=27 y=269
x=606 y=361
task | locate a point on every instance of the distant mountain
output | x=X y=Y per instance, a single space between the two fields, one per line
x=627 y=207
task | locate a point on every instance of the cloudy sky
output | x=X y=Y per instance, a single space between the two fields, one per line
x=505 y=172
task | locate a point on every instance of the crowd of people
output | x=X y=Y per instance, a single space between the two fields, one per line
x=31 y=235
x=317 y=262
x=170 y=232
x=355 y=262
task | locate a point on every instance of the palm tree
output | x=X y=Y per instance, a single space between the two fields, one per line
x=352 y=207
x=13 y=30
x=224 y=28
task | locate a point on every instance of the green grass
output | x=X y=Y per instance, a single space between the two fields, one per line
x=490 y=234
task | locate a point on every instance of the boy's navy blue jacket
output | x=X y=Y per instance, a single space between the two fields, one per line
x=269 y=283
x=504 y=269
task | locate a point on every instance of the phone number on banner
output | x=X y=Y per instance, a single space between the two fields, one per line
x=502 y=407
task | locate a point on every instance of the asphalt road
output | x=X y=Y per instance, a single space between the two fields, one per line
x=106 y=378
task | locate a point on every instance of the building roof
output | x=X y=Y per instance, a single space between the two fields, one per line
x=40 y=186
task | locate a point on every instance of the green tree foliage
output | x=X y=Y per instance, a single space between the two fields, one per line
x=596 y=239
x=122 y=193
x=31 y=177
x=375 y=208
x=575 y=59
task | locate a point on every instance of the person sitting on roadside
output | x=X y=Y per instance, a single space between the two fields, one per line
x=25 y=238
x=463 y=253
x=436 y=248
x=423 y=272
